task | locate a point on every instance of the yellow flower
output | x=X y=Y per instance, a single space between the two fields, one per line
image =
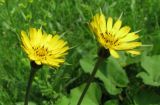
x=43 y=48
x=113 y=37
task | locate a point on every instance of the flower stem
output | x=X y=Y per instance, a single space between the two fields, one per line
x=31 y=77
x=99 y=61
x=103 y=53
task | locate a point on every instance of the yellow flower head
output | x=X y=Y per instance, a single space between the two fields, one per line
x=43 y=48
x=113 y=37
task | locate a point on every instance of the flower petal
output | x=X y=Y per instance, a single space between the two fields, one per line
x=25 y=40
x=134 y=52
x=123 y=31
x=33 y=34
x=114 y=53
x=93 y=27
x=130 y=37
x=98 y=24
x=54 y=62
x=39 y=37
x=45 y=39
x=102 y=23
x=38 y=62
x=116 y=26
x=109 y=24
x=127 y=46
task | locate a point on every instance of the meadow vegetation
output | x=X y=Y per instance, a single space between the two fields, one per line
x=129 y=80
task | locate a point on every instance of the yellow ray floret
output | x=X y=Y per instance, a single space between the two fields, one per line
x=43 y=48
x=114 y=37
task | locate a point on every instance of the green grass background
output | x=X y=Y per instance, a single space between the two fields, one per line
x=70 y=18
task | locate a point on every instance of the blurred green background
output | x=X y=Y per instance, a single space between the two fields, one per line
x=130 y=80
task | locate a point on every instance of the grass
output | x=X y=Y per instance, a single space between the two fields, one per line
x=69 y=18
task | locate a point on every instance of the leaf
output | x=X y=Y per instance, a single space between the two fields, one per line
x=92 y=96
x=113 y=76
x=108 y=84
x=156 y=42
x=117 y=73
x=64 y=100
x=87 y=64
x=146 y=97
x=111 y=102
x=29 y=103
x=151 y=75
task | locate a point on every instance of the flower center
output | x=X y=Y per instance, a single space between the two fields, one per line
x=41 y=51
x=110 y=39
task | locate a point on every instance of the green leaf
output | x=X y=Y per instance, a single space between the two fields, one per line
x=146 y=97
x=111 y=102
x=87 y=64
x=92 y=96
x=112 y=74
x=116 y=73
x=64 y=100
x=156 y=42
x=151 y=75
x=29 y=103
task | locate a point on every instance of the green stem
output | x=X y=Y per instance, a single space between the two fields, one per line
x=31 y=77
x=102 y=54
x=99 y=61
